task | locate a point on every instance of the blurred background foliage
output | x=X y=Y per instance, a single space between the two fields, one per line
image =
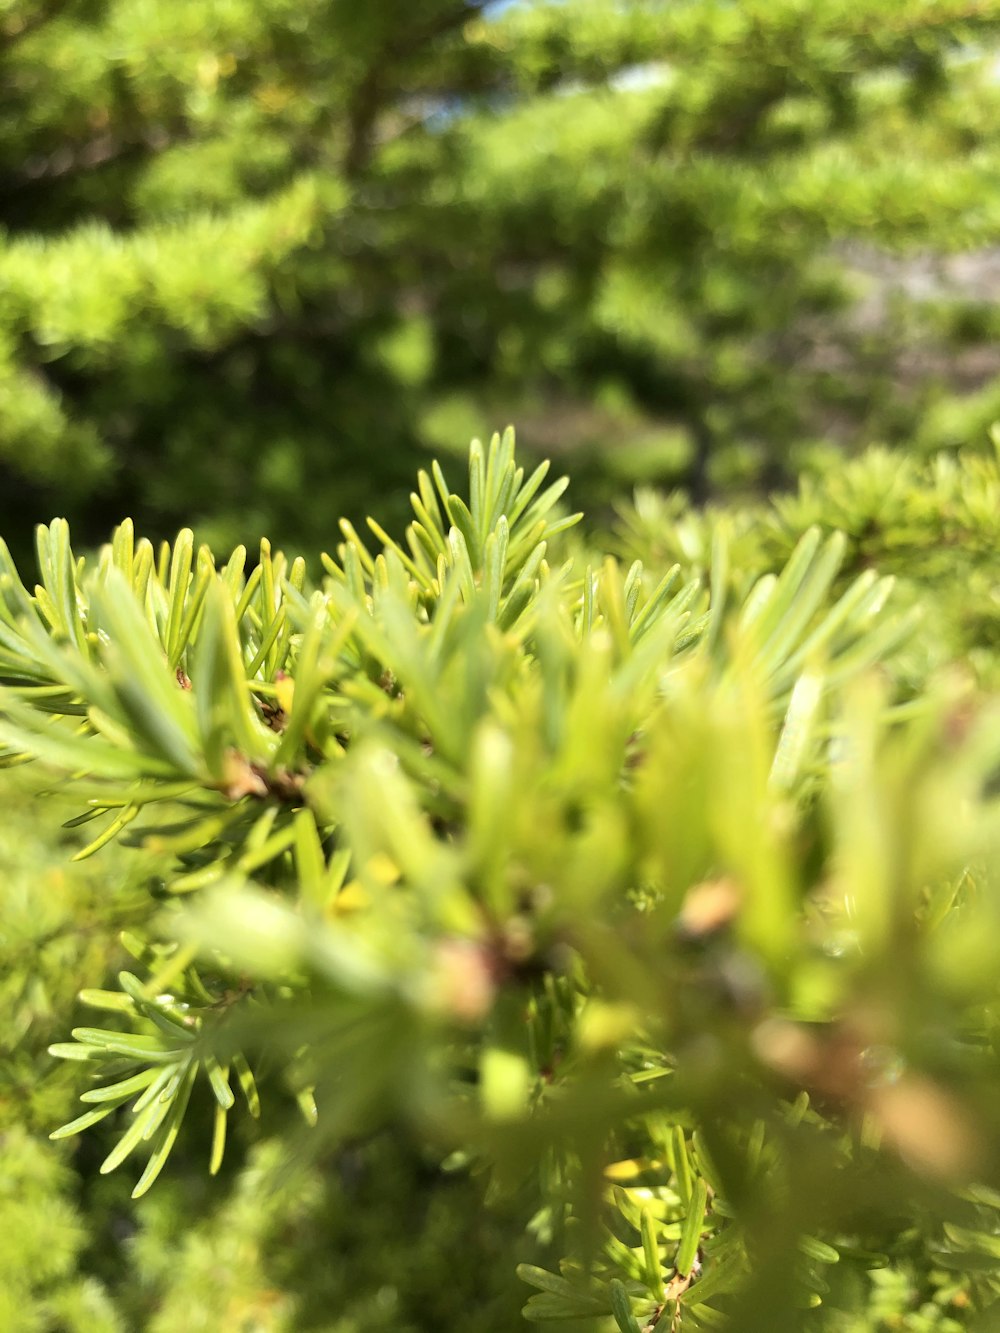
x=258 y=257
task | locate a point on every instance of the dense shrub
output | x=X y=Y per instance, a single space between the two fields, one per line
x=661 y=908
x=933 y=524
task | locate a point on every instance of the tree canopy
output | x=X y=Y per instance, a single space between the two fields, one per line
x=258 y=256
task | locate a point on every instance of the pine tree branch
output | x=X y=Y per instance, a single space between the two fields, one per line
x=369 y=95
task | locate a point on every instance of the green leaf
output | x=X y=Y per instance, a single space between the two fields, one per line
x=814 y=1248
x=245 y=1078
x=694 y=1220
x=653 y=1268
x=561 y=1299
x=218 y=1077
x=177 y=591
x=310 y=862
x=120 y=1092
x=147 y=691
x=225 y=714
x=120 y=821
x=168 y=1134
x=83 y=1122
x=219 y=1123
x=621 y=1307
x=124 y=1043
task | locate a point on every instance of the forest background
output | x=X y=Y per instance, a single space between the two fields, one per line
x=261 y=260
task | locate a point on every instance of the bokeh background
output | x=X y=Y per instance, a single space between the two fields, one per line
x=261 y=258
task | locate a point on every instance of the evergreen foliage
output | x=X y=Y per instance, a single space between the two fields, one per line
x=933 y=523
x=262 y=254
x=662 y=903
